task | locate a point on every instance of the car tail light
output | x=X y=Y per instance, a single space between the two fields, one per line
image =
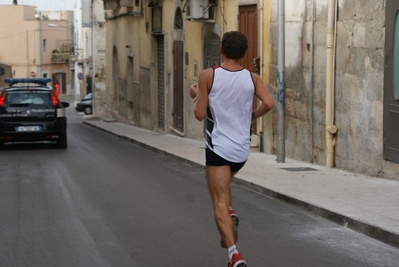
x=54 y=98
x=2 y=98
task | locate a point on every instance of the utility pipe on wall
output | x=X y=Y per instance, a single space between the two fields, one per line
x=331 y=129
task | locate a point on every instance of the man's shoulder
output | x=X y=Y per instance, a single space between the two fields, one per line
x=207 y=73
x=255 y=76
x=208 y=70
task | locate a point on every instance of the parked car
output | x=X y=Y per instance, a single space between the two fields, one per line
x=30 y=111
x=85 y=105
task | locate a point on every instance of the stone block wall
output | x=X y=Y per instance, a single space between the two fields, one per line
x=358 y=94
x=123 y=102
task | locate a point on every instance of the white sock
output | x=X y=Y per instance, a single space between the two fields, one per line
x=231 y=250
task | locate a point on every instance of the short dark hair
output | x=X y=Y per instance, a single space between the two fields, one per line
x=234 y=44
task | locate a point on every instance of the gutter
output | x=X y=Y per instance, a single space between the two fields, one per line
x=331 y=129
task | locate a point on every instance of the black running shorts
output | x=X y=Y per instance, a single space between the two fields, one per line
x=212 y=159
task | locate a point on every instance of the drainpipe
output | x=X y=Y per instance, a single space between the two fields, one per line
x=331 y=129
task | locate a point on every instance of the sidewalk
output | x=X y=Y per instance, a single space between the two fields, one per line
x=365 y=204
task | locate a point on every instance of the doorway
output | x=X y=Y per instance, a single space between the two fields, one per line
x=211 y=50
x=391 y=83
x=178 y=81
x=60 y=77
x=161 y=81
x=248 y=25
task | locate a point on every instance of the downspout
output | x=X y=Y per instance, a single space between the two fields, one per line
x=331 y=129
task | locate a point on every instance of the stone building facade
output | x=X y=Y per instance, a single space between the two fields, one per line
x=156 y=49
x=358 y=84
x=99 y=54
x=32 y=48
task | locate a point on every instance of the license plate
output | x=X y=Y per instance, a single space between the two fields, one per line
x=28 y=129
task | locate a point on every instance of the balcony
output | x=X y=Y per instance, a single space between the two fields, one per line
x=111 y=4
x=115 y=4
x=60 y=57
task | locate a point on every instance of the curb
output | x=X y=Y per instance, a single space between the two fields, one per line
x=353 y=224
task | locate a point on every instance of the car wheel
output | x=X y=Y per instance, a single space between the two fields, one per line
x=1 y=146
x=87 y=110
x=62 y=143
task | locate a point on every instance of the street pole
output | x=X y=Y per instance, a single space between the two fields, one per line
x=27 y=53
x=39 y=48
x=281 y=83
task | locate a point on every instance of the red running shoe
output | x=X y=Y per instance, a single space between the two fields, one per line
x=237 y=261
x=235 y=219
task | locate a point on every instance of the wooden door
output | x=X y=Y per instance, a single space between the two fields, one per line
x=248 y=25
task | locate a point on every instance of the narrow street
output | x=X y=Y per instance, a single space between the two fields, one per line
x=105 y=202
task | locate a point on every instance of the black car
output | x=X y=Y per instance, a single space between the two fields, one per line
x=31 y=111
x=85 y=105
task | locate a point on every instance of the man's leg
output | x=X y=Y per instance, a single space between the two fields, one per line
x=218 y=180
x=233 y=216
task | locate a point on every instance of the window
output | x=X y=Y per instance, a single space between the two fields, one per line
x=157 y=19
x=44 y=44
x=178 y=19
x=31 y=97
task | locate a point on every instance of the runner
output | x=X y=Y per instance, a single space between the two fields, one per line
x=57 y=88
x=224 y=96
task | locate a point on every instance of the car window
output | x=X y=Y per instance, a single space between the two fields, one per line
x=28 y=97
x=87 y=97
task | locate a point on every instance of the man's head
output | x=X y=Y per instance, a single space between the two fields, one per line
x=234 y=45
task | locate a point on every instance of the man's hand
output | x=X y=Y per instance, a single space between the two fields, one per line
x=194 y=90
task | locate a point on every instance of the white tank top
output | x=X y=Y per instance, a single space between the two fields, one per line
x=229 y=115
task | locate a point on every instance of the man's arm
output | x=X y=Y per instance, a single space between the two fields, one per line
x=262 y=93
x=204 y=81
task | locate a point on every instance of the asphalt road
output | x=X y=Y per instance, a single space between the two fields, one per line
x=106 y=202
